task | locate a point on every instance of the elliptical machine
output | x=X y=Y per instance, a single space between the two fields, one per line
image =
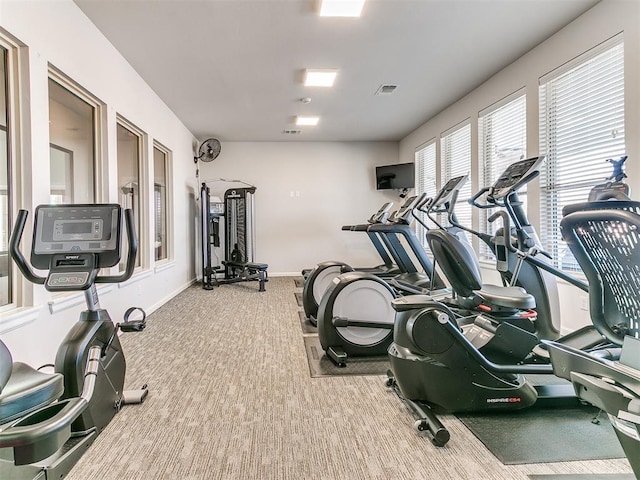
x=520 y=259
x=320 y=277
x=355 y=317
x=440 y=361
x=49 y=420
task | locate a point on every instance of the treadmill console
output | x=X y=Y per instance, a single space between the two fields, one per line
x=76 y=229
x=515 y=176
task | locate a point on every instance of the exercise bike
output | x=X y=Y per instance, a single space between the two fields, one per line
x=47 y=421
x=604 y=242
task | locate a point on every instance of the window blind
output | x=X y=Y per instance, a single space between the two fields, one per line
x=426 y=181
x=581 y=126
x=456 y=160
x=503 y=140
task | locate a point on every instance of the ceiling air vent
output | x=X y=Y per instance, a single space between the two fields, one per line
x=386 y=89
x=291 y=132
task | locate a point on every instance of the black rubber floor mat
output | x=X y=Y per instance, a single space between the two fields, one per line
x=321 y=366
x=308 y=328
x=544 y=435
x=299 y=282
x=298 y=298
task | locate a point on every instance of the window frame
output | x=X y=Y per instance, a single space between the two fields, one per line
x=168 y=168
x=99 y=112
x=143 y=223
x=16 y=59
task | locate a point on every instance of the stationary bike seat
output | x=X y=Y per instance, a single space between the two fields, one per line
x=27 y=390
x=507 y=297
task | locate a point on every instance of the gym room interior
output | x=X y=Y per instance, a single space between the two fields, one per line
x=110 y=101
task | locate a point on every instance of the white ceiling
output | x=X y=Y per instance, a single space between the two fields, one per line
x=232 y=69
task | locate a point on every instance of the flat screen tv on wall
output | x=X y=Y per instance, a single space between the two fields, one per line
x=399 y=176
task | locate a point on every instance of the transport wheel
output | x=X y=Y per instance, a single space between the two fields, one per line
x=420 y=425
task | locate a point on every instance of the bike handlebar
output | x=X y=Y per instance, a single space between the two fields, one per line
x=27 y=271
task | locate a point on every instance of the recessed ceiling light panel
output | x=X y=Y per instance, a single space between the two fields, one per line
x=319 y=78
x=341 y=8
x=306 y=120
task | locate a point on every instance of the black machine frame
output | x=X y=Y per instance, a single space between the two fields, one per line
x=239 y=232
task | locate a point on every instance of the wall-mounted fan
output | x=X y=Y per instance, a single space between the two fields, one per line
x=208 y=151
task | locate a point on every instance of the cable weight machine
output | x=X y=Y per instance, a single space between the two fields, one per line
x=236 y=217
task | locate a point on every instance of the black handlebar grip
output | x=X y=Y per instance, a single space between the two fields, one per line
x=131 y=253
x=14 y=248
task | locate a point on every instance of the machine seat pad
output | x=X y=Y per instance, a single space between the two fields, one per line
x=28 y=390
x=248 y=265
x=506 y=297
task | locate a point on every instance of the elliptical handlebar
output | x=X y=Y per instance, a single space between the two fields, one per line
x=490 y=204
x=506 y=228
x=426 y=201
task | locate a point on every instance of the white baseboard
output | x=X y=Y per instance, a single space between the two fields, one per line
x=285 y=274
x=161 y=302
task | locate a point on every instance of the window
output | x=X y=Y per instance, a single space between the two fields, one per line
x=456 y=161
x=503 y=140
x=6 y=281
x=161 y=202
x=581 y=126
x=426 y=181
x=72 y=133
x=130 y=185
x=61 y=174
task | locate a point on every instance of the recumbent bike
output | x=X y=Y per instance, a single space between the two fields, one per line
x=47 y=421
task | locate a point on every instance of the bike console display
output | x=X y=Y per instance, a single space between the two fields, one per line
x=67 y=231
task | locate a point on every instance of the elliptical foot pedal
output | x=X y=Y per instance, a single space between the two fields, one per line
x=130 y=397
x=338 y=356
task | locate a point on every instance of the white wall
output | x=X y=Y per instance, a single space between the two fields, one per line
x=605 y=20
x=334 y=180
x=305 y=193
x=58 y=34
x=332 y=183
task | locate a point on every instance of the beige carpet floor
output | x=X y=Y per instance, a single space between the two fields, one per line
x=231 y=398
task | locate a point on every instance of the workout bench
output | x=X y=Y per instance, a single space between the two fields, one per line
x=245 y=271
